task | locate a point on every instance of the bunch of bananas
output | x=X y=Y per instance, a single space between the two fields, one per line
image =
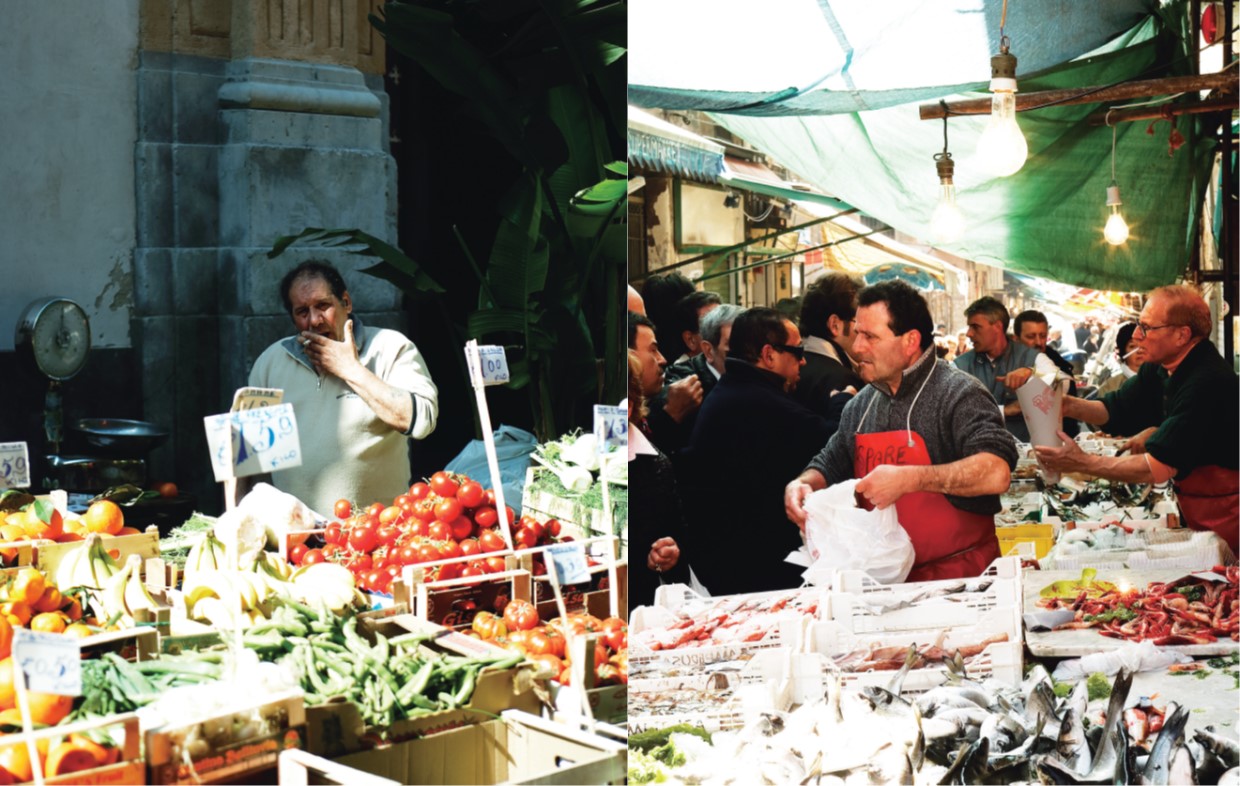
x=208 y=554
x=221 y=596
x=124 y=597
x=88 y=565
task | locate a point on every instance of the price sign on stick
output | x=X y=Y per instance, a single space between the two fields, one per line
x=492 y=365
x=51 y=663
x=263 y=439
x=569 y=561
x=475 y=360
x=14 y=466
x=252 y=398
x=611 y=428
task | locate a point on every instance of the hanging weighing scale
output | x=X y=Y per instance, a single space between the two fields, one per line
x=54 y=333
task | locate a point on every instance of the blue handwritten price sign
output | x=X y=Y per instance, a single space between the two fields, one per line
x=253 y=441
x=570 y=564
x=51 y=662
x=14 y=466
x=611 y=428
x=492 y=363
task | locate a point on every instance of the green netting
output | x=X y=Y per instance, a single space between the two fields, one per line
x=1047 y=219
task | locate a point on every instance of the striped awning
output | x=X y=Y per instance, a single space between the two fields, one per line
x=656 y=145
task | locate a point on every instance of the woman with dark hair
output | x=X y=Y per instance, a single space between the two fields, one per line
x=654 y=507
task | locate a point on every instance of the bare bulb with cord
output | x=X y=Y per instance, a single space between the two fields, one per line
x=946 y=222
x=1002 y=149
x=1116 y=229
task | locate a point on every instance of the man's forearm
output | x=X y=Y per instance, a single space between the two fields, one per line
x=393 y=405
x=974 y=476
x=1125 y=469
x=1092 y=412
x=815 y=479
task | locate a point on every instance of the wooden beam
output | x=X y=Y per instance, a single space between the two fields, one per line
x=1124 y=91
x=1100 y=118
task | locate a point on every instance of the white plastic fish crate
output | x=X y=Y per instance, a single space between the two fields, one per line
x=730 y=718
x=747 y=701
x=853 y=604
x=784 y=632
x=1002 y=660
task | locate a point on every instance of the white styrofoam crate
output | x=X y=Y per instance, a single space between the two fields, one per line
x=858 y=596
x=1161 y=548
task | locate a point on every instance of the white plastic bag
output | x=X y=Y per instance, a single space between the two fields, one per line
x=842 y=536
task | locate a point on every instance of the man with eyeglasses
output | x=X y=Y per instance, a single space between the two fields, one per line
x=826 y=320
x=1182 y=409
x=750 y=436
x=923 y=435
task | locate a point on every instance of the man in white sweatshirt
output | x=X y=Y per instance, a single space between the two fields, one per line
x=359 y=394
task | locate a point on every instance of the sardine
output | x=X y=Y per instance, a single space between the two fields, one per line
x=953 y=696
x=1072 y=745
x=1183 y=769
x=1225 y=748
x=897 y=682
x=1105 y=757
x=957 y=765
x=886 y=703
x=1157 y=770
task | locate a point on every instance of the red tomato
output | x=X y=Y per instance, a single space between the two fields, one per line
x=334 y=533
x=388 y=536
x=471 y=570
x=378 y=580
x=330 y=551
x=403 y=501
x=417 y=528
x=447 y=509
x=391 y=515
x=424 y=509
x=312 y=557
x=488 y=626
x=394 y=571
x=538 y=528
x=439 y=530
x=419 y=491
x=615 y=634
x=548 y=666
x=375 y=509
x=490 y=540
x=342 y=509
x=524 y=538
x=361 y=563
x=553 y=528
x=520 y=615
x=471 y=494
x=489 y=498
x=537 y=642
x=408 y=554
x=427 y=552
x=297 y=553
x=363 y=539
x=486 y=517
x=450 y=571
x=450 y=549
x=443 y=484
x=606 y=674
x=461 y=527
x=557 y=644
x=495 y=564
x=470 y=547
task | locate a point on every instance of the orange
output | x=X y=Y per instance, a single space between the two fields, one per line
x=73 y=609
x=27 y=586
x=48 y=708
x=8 y=693
x=167 y=490
x=79 y=630
x=67 y=757
x=104 y=516
x=38 y=528
x=48 y=622
x=17 y=610
x=100 y=752
x=50 y=600
x=70 y=537
x=16 y=760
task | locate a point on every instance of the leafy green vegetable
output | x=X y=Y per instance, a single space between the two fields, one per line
x=1193 y=592
x=1120 y=613
x=655 y=738
x=1062 y=689
x=1098 y=685
x=669 y=754
x=644 y=768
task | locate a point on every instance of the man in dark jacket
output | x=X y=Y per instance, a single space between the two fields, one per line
x=750 y=436
x=1031 y=329
x=827 y=312
x=707 y=365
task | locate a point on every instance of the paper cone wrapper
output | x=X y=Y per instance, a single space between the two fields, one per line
x=1042 y=407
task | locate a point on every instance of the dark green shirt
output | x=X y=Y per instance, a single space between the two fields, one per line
x=1196 y=411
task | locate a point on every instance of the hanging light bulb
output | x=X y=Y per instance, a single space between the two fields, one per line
x=1002 y=148
x=946 y=222
x=1116 y=230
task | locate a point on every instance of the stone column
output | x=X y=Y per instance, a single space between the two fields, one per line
x=257 y=119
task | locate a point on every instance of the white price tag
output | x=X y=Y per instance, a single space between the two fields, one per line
x=252 y=398
x=253 y=441
x=493 y=363
x=14 y=466
x=569 y=560
x=51 y=662
x=611 y=428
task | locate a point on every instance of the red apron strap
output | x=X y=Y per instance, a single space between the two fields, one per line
x=1210 y=500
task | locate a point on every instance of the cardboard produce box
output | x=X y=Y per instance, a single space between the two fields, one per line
x=575 y=519
x=216 y=749
x=128 y=769
x=516 y=748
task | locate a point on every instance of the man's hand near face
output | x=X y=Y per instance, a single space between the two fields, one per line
x=683 y=398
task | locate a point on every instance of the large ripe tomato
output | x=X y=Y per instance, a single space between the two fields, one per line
x=495 y=564
x=439 y=530
x=520 y=615
x=461 y=527
x=312 y=557
x=537 y=642
x=470 y=494
x=524 y=538
x=615 y=633
x=486 y=517
x=553 y=528
x=448 y=509
x=331 y=551
x=363 y=539
x=419 y=491
x=342 y=509
x=298 y=553
x=470 y=547
x=489 y=626
x=539 y=529
x=490 y=540
x=606 y=674
x=547 y=666
x=443 y=484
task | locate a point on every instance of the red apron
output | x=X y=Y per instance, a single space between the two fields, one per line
x=1210 y=500
x=949 y=543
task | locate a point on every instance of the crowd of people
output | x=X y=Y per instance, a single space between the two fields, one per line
x=763 y=406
